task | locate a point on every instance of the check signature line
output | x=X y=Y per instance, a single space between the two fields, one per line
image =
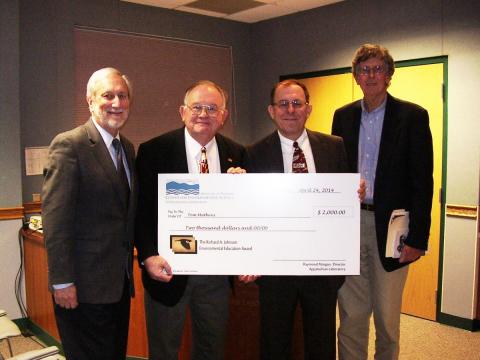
x=295 y=260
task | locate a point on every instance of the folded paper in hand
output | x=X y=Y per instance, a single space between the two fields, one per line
x=397 y=233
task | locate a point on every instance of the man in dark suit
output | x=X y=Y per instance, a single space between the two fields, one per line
x=195 y=148
x=279 y=295
x=89 y=199
x=388 y=141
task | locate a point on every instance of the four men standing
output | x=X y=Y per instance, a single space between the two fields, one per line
x=89 y=202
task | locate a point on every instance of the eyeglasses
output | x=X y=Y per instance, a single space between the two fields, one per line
x=366 y=70
x=197 y=109
x=285 y=104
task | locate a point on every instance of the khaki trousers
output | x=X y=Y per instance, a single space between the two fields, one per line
x=376 y=292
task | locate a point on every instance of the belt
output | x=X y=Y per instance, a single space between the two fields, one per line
x=368 y=207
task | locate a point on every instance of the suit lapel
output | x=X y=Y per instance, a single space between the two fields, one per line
x=179 y=162
x=226 y=159
x=388 y=133
x=318 y=152
x=275 y=156
x=104 y=159
x=355 y=131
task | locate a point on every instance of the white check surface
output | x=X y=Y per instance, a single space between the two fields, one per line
x=259 y=224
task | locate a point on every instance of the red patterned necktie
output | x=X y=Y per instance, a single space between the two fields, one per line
x=299 y=164
x=203 y=161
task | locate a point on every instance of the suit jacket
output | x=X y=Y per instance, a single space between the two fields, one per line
x=404 y=171
x=329 y=156
x=162 y=155
x=88 y=224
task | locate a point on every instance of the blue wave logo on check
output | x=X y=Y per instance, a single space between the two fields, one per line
x=182 y=188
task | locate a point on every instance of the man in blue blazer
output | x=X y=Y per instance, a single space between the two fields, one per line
x=388 y=141
x=89 y=198
x=167 y=297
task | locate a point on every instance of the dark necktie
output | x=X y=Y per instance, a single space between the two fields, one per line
x=121 y=169
x=299 y=164
x=203 y=161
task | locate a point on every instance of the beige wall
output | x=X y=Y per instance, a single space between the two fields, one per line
x=10 y=263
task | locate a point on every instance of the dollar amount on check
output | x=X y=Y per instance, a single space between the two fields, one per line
x=259 y=224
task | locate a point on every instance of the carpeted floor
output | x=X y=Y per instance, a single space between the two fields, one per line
x=420 y=340
x=19 y=345
x=428 y=340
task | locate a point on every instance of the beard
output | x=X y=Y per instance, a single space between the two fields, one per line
x=109 y=122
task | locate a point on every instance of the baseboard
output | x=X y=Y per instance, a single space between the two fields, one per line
x=456 y=321
x=29 y=328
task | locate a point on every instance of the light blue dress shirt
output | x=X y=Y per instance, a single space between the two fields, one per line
x=369 y=145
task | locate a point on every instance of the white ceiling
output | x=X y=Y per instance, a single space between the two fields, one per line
x=257 y=10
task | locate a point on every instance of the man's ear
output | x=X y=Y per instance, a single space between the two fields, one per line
x=225 y=116
x=309 y=110
x=89 y=102
x=181 y=111
x=356 y=79
x=271 y=111
x=388 y=79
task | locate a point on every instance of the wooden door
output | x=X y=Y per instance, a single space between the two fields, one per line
x=423 y=85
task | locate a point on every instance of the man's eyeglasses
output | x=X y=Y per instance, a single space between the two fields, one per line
x=197 y=109
x=285 y=104
x=366 y=70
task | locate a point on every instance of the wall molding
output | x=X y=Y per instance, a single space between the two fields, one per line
x=463 y=211
x=12 y=213
x=34 y=207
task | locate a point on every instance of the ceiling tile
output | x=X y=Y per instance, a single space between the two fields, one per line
x=226 y=7
x=271 y=9
x=260 y=13
x=304 y=4
x=200 y=11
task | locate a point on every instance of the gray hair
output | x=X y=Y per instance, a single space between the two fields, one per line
x=102 y=73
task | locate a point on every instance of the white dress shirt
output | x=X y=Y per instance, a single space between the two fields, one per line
x=193 y=149
x=287 y=152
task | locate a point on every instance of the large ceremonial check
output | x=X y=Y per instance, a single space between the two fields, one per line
x=259 y=224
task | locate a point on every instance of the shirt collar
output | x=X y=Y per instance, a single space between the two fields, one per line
x=377 y=110
x=106 y=136
x=194 y=146
x=289 y=143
